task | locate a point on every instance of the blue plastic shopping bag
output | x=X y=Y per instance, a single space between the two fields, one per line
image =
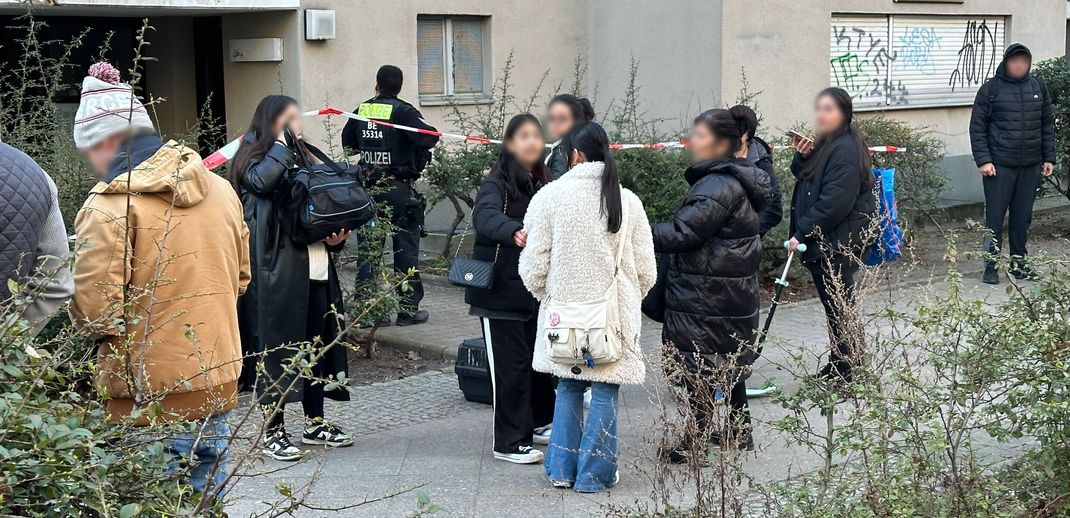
x=889 y=246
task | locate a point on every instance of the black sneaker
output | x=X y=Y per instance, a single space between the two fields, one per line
x=1023 y=272
x=991 y=274
x=324 y=434
x=838 y=371
x=521 y=455
x=278 y=446
x=414 y=319
x=742 y=440
x=681 y=453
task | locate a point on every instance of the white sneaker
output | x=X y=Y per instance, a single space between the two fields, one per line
x=522 y=455
x=324 y=434
x=542 y=434
x=279 y=447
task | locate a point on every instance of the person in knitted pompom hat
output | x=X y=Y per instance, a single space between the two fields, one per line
x=108 y=113
x=161 y=239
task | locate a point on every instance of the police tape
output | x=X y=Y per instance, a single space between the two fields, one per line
x=227 y=152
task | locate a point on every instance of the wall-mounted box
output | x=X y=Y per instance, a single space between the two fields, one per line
x=256 y=49
x=319 y=24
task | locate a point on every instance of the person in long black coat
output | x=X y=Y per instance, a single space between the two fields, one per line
x=832 y=211
x=711 y=289
x=294 y=295
x=523 y=398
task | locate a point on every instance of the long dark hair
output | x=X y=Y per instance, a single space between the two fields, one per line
x=260 y=136
x=823 y=146
x=591 y=140
x=581 y=108
x=725 y=125
x=509 y=169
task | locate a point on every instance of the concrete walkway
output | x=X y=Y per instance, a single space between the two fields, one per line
x=420 y=433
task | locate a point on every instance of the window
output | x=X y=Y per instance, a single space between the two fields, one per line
x=452 y=58
x=893 y=61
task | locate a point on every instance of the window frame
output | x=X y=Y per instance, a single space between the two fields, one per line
x=450 y=97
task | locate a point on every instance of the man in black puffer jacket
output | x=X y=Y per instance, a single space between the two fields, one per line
x=1012 y=132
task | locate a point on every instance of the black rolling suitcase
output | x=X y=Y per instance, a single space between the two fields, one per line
x=473 y=371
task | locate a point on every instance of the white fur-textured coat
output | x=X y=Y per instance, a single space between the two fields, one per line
x=570 y=257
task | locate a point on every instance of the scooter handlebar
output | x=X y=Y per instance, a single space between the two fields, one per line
x=801 y=247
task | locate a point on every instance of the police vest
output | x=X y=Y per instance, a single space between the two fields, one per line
x=383 y=147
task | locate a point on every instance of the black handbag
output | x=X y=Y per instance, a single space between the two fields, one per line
x=473 y=273
x=325 y=198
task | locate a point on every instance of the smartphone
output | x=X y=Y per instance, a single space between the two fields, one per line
x=796 y=135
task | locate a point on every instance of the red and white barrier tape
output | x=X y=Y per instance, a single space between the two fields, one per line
x=227 y=152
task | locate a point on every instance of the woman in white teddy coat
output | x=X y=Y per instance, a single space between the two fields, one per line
x=570 y=257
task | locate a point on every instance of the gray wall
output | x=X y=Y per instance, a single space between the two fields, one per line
x=677 y=44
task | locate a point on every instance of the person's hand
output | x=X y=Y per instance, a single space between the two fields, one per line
x=520 y=238
x=793 y=244
x=337 y=238
x=1048 y=169
x=803 y=146
x=988 y=169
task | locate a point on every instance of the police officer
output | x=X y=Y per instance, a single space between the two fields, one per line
x=395 y=160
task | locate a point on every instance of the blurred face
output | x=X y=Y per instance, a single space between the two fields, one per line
x=291 y=117
x=527 y=145
x=704 y=145
x=1018 y=66
x=558 y=120
x=101 y=155
x=827 y=116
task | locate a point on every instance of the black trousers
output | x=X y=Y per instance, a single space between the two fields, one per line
x=407 y=218
x=702 y=403
x=835 y=283
x=523 y=398
x=1013 y=189
x=311 y=390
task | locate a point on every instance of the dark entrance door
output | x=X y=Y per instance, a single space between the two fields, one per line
x=211 y=101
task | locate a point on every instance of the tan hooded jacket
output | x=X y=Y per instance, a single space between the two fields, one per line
x=168 y=243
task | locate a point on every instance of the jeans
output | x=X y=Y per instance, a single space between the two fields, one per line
x=203 y=451
x=584 y=453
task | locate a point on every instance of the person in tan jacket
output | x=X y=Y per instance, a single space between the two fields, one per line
x=162 y=255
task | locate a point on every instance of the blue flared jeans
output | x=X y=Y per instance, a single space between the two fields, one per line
x=584 y=452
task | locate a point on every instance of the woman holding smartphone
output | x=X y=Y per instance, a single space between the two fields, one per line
x=294 y=296
x=523 y=399
x=565 y=112
x=832 y=208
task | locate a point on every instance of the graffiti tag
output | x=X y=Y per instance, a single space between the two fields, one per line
x=862 y=65
x=978 y=55
x=916 y=49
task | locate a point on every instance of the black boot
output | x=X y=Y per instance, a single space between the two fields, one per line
x=417 y=318
x=991 y=274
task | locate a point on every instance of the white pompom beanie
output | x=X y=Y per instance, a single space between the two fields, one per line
x=107 y=107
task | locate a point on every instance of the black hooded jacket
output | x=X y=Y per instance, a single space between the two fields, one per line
x=1013 y=123
x=761 y=155
x=832 y=210
x=713 y=247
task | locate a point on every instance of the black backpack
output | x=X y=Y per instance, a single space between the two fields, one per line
x=325 y=198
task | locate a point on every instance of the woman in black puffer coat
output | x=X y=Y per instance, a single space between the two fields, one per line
x=832 y=210
x=711 y=290
x=523 y=399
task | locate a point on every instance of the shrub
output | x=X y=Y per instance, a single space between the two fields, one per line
x=1056 y=74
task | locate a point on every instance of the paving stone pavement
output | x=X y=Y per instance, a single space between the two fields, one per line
x=420 y=433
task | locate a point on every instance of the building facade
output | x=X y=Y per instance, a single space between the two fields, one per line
x=918 y=60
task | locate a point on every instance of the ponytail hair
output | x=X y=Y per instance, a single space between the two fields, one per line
x=592 y=141
x=726 y=125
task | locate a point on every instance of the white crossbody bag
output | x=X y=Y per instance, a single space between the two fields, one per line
x=589 y=333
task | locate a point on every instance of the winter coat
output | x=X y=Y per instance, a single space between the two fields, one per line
x=557 y=161
x=834 y=209
x=275 y=309
x=168 y=239
x=760 y=154
x=711 y=290
x=1013 y=124
x=33 y=241
x=494 y=237
x=570 y=257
